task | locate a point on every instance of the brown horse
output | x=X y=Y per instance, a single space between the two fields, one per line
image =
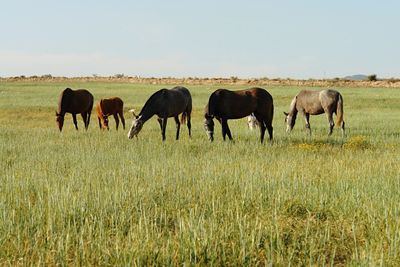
x=74 y=102
x=225 y=104
x=165 y=103
x=107 y=107
x=315 y=103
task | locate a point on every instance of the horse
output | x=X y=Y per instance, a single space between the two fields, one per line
x=107 y=107
x=252 y=122
x=75 y=102
x=165 y=103
x=224 y=104
x=314 y=103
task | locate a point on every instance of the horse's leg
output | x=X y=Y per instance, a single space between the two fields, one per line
x=270 y=132
x=223 y=126
x=75 y=122
x=331 y=122
x=116 y=120
x=261 y=124
x=262 y=131
x=227 y=131
x=160 y=122
x=164 y=126
x=178 y=126
x=99 y=122
x=84 y=118
x=307 y=120
x=343 y=131
x=88 y=118
x=121 y=115
x=189 y=125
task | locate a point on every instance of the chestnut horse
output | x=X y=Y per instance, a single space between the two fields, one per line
x=165 y=103
x=314 y=103
x=224 y=104
x=75 y=102
x=107 y=107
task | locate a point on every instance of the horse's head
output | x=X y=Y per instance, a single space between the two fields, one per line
x=105 y=122
x=290 y=120
x=59 y=120
x=252 y=122
x=209 y=126
x=137 y=125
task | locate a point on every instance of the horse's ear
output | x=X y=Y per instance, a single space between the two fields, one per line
x=57 y=113
x=133 y=112
x=285 y=113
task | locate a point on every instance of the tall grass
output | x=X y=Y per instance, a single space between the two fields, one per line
x=97 y=198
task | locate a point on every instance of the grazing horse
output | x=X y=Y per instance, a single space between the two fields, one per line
x=225 y=104
x=74 y=102
x=315 y=103
x=165 y=103
x=107 y=107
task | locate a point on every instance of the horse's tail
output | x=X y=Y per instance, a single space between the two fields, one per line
x=183 y=117
x=339 y=111
x=186 y=113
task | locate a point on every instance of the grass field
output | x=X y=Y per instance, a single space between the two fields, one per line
x=97 y=198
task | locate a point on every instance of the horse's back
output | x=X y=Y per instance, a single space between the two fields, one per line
x=329 y=93
x=240 y=103
x=261 y=92
x=181 y=91
x=180 y=96
x=111 y=105
x=76 y=101
x=316 y=102
x=329 y=99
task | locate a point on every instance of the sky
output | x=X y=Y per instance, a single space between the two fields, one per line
x=209 y=38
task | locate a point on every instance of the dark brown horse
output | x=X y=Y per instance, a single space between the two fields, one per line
x=165 y=103
x=225 y=104
x=314 y=103
x=107 y=107
x=74 y=102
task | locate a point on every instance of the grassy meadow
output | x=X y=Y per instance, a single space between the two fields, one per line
x=96 y=198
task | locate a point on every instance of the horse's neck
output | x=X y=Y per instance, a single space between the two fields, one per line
x=147 y=112
x=293 y=110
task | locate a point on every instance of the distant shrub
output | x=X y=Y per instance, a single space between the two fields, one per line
x=119 y=75
x=234 y=78
x=393 y=80
x=372 y=77
x=46 y=76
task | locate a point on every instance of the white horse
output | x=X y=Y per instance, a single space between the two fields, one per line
x=314 y=103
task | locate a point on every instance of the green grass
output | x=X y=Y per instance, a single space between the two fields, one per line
x=97 y=198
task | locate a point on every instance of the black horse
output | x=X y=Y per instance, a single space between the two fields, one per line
x=74 y=102
x=165 y=103
x=225 y=104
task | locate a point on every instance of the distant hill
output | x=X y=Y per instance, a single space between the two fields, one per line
x=357 y=77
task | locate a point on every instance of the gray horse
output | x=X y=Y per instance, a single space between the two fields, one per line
x=315 y=103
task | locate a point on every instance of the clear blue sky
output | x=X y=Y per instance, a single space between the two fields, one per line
x=208 y=38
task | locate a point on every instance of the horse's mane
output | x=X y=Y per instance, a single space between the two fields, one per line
x=212 y=103
x=64 y=99
x=292 y=108
x=151 y=99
